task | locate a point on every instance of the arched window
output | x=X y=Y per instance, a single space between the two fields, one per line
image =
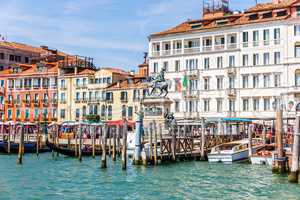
x=124 y=111
x=297 y=77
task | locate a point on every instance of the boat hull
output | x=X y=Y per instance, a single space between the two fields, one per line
x=228 y=158
x=258 y=160
x=29 y=147
x=71 y=152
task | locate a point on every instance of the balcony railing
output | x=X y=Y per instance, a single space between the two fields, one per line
x=231 y=70
x=166 y=52
x=192 y=50
x=245 y=44
x=207 y=48
x=219 y=47
x=177 y=51
x=155 y=53
x=231 y=45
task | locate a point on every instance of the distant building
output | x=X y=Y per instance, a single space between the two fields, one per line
x=29 y=91
x=232 y=64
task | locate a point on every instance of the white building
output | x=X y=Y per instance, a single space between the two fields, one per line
x=237 y=64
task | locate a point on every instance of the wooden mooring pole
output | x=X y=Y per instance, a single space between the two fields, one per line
x=109 y=140
x=92 y=131
x=103 y=157
x=160 y=142
x=280 y=161
x=76 y=144
x=124 y=146
x=21 y=146
x=173 y=145
x=38 y=141
x=151 y=144
x=155 y=143
x=80 y=144
x=202 y=139
x=249 y=131
x=114 y=145
x=293 y=177
x=118 y=140
x=8 y=139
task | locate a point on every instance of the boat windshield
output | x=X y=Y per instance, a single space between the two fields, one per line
x=228 y=146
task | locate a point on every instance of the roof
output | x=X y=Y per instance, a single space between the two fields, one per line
x=135 y=82
x=21 y=47
x=115 y=70
x=230 y=19
x=270 y=6
x=29 y=70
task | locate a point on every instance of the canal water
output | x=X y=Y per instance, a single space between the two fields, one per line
x=65 y=178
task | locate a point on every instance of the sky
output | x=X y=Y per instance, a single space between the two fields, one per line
x=113 y=32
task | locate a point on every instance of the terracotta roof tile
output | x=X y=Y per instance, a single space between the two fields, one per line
x=233 y=19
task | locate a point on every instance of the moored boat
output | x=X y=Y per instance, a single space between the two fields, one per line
x=233 y=151
x=264 y=156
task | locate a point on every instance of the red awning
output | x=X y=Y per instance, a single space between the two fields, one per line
x=120 y=123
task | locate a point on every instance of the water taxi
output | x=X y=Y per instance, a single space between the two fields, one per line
x=233 y=151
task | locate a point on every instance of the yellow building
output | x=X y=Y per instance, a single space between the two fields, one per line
x=82 y=92
x=123 y=98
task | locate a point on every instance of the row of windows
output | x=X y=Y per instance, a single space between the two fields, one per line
x=193 y=64
x=14 y=58
x=35 y=96
x=106 y=111
x=36 y=113
x=258 y=104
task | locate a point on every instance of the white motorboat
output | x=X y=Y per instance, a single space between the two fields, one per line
x=264 y=156
x=233 y=151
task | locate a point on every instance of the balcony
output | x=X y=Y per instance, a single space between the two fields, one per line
x=191 y=94
x=231 y=70
x=36 y=86
x=84 y=100
x=207 y=48
x=277 y=41
x=192 y=73
x=77 y=100
x=54 y=102
x=124 y=100
x=63 y=87
x=155 y=53
x=26 y=102
x=36 y=102
x=45 y=102
x=166 y=52
x=45 y=86
x=231 y=92
x=231 y=46
x=245 y=44
x=27 y=87
x=177 y=51
x=219 y=47
x=192 y=50
x=63 y=101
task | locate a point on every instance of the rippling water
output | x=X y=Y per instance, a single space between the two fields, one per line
x=66 y=178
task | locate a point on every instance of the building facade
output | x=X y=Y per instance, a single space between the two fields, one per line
x=232 y=64
x=83 y=93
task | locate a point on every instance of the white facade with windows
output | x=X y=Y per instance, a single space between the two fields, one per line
x=241 y=70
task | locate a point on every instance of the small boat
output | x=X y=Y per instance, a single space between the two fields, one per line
x=29 y=147
x=264 y=156
x=233 y=151
x=65 y=150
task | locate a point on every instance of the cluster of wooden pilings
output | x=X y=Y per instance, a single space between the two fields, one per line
x=105 y=141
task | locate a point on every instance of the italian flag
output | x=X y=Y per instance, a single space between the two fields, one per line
x=184 y=82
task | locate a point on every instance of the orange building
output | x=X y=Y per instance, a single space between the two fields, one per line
x=29 y=92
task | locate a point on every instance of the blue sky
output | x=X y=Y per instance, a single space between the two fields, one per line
x=113 y=32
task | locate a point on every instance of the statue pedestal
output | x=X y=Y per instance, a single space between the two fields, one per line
x=154 y=109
